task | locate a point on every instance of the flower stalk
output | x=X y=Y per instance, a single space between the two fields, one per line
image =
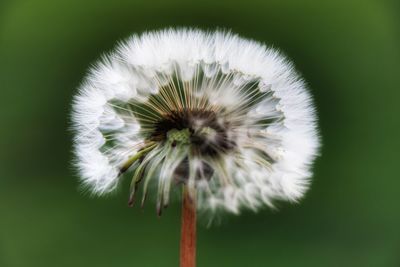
x=188 y=230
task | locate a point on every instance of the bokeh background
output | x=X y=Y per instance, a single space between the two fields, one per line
x=349 y=53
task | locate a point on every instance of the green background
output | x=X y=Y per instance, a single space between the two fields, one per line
x=349 y=53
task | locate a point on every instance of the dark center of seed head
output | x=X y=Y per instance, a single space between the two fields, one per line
x=206 y=133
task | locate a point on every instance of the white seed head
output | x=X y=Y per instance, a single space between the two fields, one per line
x=227 y=117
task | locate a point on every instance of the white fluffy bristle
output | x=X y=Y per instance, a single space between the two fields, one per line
x=260 y=102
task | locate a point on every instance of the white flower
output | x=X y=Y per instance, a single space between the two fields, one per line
x=226 y=116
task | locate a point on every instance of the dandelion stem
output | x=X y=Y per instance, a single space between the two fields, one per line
x=188 y=230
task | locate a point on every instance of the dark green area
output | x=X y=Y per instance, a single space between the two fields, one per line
x=348 y=52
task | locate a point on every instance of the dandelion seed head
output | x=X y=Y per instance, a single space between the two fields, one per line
x=225 y=116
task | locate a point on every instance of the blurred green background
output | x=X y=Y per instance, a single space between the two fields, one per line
x=349 y=53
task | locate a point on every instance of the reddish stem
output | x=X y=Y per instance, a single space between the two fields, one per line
x=188 y=231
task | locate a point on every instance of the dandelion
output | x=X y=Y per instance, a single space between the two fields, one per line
x=226 y=119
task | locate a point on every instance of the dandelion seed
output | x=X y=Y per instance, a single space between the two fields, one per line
x=226 y=118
